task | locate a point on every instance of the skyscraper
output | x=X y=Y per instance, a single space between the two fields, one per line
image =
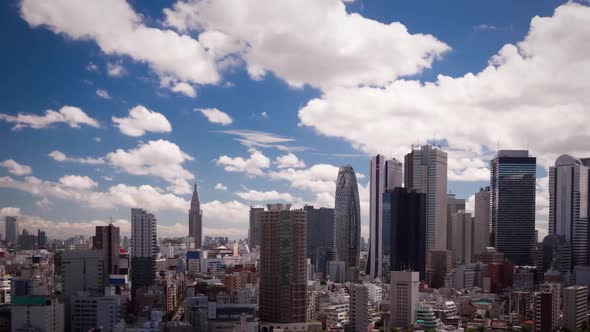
x=11 y=229
x=405 y=211
x=347 y=219
x=195 y=219
x=512 y=191
x=143 y=249
x=106 y=239
x=41 y=239
x=428 y=170
x=254 y=229
x=283 y=284
x=454 y=205
x=481 y=224
x=320 y=232
x=404 y=295
x=569 y=197
x=385 y=174
x=462 y=237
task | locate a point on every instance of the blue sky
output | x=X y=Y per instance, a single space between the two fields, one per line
x=331 y=85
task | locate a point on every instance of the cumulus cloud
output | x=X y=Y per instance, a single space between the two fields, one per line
x=261 y=139
x=230 y=213
x=115 y=69
x=77 y=182
x=118 y=30
x=61 y=157
x=15 y=168
x=220 y=186
x=251 y=166
x=216 y=116
x=312 y=42
x=142 y=120
x=72 y=116
x=266 y=196
x=527 y=91
x=102 y=93
x=289 y=161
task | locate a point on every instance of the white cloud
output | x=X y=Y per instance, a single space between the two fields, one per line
x=98 y=139
x=91 y=67
x=9 y=212
x=142 y=120
x=102 y=93
x=71 y=115
x=308 y=41
x=61 y=157
x=289 y=161
x=264 y=115
x=528 y=91
x=317 y=179
x=216 y=116
x=15 y=168
x=182 y=88
x=260 y=139
x=226 y=213
x=220 y=186
x=119 y=30
x=252 y=166
x=115 y=69
x=77 y=182
x=267 y=196
x=159 y=158
x=107 y=178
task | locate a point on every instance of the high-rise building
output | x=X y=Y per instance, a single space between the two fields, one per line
x=95 y=312
x=428 y=170
x=283 y=285
x=481 y=222
x=27 y=241
x=106 y=239
x=512 y=191
x=254 y=229
x=347 y=219
x=575 y=307
x=41 y=239
x=11 y=229
x=195 y=219
x=320 y=232
x=405 y=211
x=547 y=308
x=403 y=298
x=359 y=311
x=143 y=249
x=454 y=205
x=462 y=237
x=569 y=197
x=385 y=174
x=438 y=264
x=557 y=252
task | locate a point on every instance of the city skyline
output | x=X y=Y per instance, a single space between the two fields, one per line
x=248 y=138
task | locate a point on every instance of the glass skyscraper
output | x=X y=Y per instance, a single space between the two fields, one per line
x=512 y=191
x=347 y=218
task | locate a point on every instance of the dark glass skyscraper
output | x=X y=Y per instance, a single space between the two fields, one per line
x=320 y=233
x=512 y=190
x=405 y=212
x=347 y=218
x=195 y=219
x=106 y=239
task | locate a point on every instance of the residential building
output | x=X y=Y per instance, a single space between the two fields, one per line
x=575 y=307
x=143 y=249
x=359 y=311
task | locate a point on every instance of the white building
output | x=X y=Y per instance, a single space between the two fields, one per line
x=404 y=294
x=37 y=313
x=575 y=307
x=144 y=249
x=359 y=309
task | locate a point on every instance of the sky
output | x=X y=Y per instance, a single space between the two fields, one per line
x=113 y=104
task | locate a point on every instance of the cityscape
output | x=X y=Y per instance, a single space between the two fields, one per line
x=296 y=165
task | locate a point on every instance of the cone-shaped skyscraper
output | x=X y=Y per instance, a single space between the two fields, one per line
x=195 y=219
x=347 y=218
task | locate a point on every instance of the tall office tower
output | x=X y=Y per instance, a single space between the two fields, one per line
x=11 y=229
x=347 y=219
x=385 y=174
x=106 y=239
x=320 y=233
x=547 y=306
x=195 y=219
x=512 y=191
x=254 y=229
x=569 y=196
x=481 y=223
x=143 y=249
x=405 y=211
x=359 y=309
x=575 y=307
x=428 y=170
x=462 y=237
x=404 y=295
x=41 y=239
x=37 y=313
x=438 y=264
x=283 y=285
x=454 y=205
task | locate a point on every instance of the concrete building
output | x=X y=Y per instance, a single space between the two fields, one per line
x=438 y=264
x=106 y=239
x=144 y=248
x=462 y=237
x=547 y=305
x=337 y=271
x=254 y=229
x=575 y=307
x=481 y=222
x=37 y=313
x=359 y=311
x=195 y=219
x=454 y=205
x=426 y=172
x=93 y=312
x=347 y=220
x=320 y=232
x=403 y=298
x=11 y=229
x=569 y=197
x=513 y=190
x=283 y=285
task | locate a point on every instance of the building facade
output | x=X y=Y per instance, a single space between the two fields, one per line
x=195 y=219
x=347 y=219
x=107 y=240
x=254 y=229
x=462 y=237
x=454 y=205
x=144 y=248
x=359 y=311
x=320 y=233
x=11 y=229
x=403 y=298
x=481 y=222
x=575 y=307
